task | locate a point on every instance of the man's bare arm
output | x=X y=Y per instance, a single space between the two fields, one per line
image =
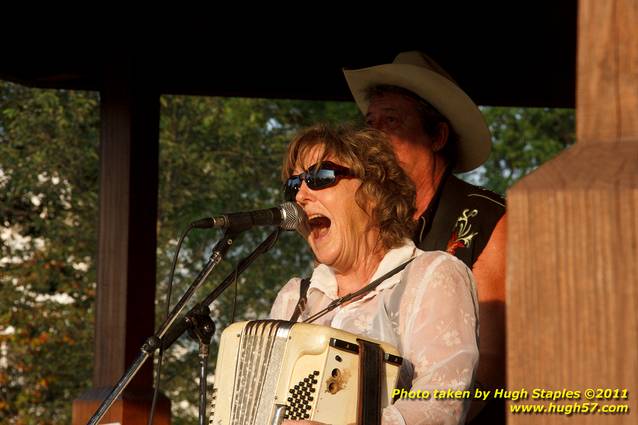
x=489 y=273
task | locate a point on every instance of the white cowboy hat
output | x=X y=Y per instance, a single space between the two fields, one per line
x=418 y=73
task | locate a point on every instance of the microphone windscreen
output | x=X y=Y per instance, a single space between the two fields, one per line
x=293 y=217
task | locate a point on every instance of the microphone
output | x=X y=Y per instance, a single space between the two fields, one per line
x=288 y=216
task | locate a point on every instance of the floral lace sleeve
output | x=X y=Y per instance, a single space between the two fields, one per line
x=438 y=330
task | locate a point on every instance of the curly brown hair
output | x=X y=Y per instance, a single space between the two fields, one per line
x=385 y=187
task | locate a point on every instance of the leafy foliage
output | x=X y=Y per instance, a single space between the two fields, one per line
x=216 y=155
x=523 y=139
x=48 y=215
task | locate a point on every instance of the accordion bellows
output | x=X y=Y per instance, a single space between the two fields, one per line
x=271 y=370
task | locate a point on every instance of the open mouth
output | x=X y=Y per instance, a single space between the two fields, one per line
x=319 y=225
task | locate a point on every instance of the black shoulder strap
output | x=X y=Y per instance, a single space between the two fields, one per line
x=303 y=299
x=354 y=295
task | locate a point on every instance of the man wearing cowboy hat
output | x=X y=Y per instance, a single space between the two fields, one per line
x=436 y=129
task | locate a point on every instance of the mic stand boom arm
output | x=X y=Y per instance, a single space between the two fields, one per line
x=154 y=342
x=183 y=325
x=197 y=321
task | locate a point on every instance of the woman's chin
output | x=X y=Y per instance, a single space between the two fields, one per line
x=325 y=260
x=323 y=256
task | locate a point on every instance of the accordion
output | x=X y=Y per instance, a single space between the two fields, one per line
x=271 y=370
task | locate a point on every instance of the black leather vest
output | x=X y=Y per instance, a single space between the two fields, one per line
x=459 y=219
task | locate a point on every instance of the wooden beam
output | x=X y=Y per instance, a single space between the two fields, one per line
x=572 y=271
x=125 y=312
x=607 y=95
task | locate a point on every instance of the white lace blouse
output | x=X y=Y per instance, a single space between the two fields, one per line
x=429 y=311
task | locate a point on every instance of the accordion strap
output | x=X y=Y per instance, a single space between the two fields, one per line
x=355 y=295
x=303 y=299
x=370 y=370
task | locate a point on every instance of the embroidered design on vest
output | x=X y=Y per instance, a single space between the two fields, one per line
x=461 y=236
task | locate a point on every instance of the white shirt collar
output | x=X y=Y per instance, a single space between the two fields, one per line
x=323 y=277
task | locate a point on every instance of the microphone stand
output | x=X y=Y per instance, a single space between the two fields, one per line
x=202 y=328
x=199 y=316
x=154 y=342
x=196 y=320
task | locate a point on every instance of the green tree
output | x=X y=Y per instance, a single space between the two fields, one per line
x=48 y=213
x=523 y=139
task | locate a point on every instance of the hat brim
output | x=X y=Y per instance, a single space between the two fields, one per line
x=474 y=143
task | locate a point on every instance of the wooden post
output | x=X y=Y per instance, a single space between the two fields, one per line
x=125 y=312
x=572 y=271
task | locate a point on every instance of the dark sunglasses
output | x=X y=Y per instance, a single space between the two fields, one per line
x=317 y=177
